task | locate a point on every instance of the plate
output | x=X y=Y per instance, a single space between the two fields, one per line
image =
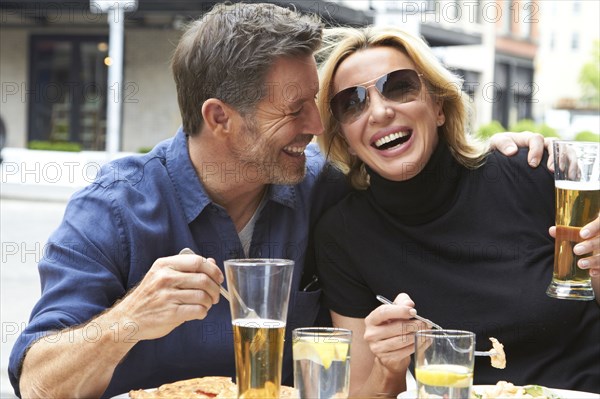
x=561 y=393
x=126 y=394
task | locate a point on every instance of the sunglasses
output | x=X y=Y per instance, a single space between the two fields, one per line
x=401 y=86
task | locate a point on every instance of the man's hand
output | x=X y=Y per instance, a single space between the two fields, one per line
x=508 y=143
x=175 y=289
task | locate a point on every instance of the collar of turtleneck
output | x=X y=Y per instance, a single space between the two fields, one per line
x=422 y=198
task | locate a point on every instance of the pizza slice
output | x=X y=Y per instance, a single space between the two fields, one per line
x=195 y=388
x=200 y=388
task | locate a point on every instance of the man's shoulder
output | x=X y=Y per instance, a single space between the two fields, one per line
x=133 y=169
x=131 y=180
x=314 y=159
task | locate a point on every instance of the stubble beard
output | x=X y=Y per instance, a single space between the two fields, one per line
x=259 y=161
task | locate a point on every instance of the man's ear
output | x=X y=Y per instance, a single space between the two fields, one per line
x=217 y=115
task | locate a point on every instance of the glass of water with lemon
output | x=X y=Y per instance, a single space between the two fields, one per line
x=322 y=362
x=444 y=361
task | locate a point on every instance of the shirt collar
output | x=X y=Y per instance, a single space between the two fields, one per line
x=189 y=188
x=283 y=194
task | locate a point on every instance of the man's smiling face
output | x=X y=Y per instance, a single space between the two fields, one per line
x=284 y=122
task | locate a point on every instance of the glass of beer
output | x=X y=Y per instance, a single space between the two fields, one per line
x=444 y=361
x=577 y=187
x=322 y=362
x=259 y=291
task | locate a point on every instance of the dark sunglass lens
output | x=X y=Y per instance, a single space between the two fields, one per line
x=401 y=86
x=348 y=104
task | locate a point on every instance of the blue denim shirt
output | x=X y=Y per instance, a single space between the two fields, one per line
x=141 y=208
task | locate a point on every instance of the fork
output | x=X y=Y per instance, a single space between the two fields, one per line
x=261 y=336
x=492 y=352
x=250 y=313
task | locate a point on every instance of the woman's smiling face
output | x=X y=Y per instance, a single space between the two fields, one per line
x=395 y=139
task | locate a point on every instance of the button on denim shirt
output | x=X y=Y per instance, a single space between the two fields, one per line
x=145 y=207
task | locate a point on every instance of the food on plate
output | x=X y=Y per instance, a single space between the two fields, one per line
x=200 y=388
x=499 y=359
x=205 y=387
x=504 y=389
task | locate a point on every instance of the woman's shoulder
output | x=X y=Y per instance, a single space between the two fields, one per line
x=519 y=159
x=511 y=177
x=496 y=157
x=515 y=166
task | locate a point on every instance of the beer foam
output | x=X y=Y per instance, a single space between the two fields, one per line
x=259 y=323
x=577 y=185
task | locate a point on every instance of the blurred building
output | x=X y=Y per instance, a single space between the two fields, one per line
x=519 y=59
x=569 y=36
x=53 y=68
x=516 y=46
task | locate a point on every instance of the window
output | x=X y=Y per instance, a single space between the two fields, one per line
x=452 y=11
x=470 y=81
x=477 y=12
x=575 y=41
x=67 y=100
x=527 y=17
x=506 y=18
x=523 y=89
x=429 y=5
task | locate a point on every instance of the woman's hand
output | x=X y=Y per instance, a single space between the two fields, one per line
x=590 y=233
x=390 y=333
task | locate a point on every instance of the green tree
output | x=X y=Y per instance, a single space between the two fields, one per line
x=528 y=125
x=587 y=135
x=546 y=131
x=488 y=130
x=523 y=125
x=589 y=78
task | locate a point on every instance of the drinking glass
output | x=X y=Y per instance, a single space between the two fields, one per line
x=444 y=361
x=577 y=188
x=322 y=362
x=259 y=292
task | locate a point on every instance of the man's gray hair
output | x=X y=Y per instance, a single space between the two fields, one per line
x=228 y=53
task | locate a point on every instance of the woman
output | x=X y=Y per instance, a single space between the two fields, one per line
x=459 y=232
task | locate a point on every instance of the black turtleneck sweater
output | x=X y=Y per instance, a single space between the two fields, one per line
x=472 y=249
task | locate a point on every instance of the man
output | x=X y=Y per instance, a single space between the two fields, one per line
x=119 y=309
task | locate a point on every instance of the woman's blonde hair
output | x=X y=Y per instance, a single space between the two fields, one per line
x=339 y=43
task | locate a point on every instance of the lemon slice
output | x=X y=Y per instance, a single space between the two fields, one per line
x=444 y=375
x=323 y=353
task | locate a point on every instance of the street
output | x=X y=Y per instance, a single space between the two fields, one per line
x=24 y=228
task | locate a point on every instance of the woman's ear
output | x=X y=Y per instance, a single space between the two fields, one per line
x=217 y=115
x=343 y=138
x=351 y=151
x=441 y=116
